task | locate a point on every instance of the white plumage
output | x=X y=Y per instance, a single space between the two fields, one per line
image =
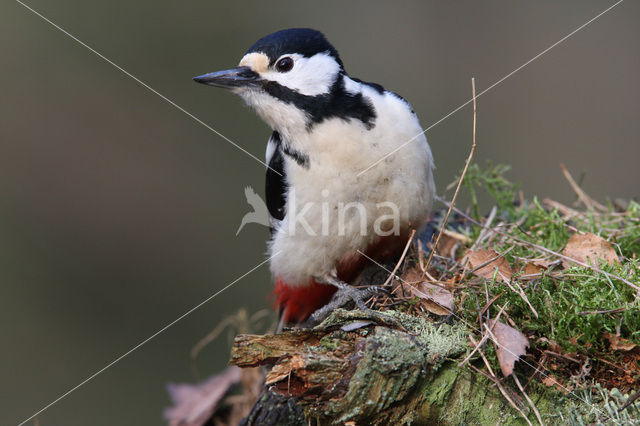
x=338 y=151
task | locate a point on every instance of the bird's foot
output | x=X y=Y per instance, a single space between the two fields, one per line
x=345 y=294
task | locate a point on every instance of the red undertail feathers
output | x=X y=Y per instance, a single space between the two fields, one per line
x=297 y=303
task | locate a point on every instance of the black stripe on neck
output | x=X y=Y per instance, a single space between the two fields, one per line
x=337 y=103
x=299 y=157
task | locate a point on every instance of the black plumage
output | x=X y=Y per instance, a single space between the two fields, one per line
x=275 y=183
x=304 y=41
x=336 y=103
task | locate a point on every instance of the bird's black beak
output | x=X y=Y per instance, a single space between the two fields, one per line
x=230 y=79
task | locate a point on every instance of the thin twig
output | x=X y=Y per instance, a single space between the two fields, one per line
x=608 y=311
x=497 y=382
x=563 y=356
x=630 y=401
x=523 y=296
x=404 y=253
x=464 y=172
x=486 y=295
x=504 y=393
x=195 y=350
x=484 y=358
x=610 y=364
x=476 y=348
x=457 y=236
x=484 y=339
x=531 y=404
x=484 y=234
x=490 y=302
x=588 y=202
x=537 y=370
x=567 y=212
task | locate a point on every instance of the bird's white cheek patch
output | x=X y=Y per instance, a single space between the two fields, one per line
x=280 y=116
x=309 y=76
x=258 y=62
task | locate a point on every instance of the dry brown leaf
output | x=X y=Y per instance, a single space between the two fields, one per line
x=574 y=340
x=589 y=248
x=195 y=404
x=531 y=269
x=434 y=298
x=552 y=382
x=478 y=257
x=620 y=344
x=511 y=345
x=437 y=300
x=447 y=246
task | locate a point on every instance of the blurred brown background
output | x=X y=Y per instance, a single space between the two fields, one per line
x=118 y=212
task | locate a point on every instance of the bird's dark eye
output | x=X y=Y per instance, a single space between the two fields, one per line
x=285 y=64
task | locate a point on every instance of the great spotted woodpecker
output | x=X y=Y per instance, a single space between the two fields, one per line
x=330 y=209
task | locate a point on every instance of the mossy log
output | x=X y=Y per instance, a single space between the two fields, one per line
x=355 y=368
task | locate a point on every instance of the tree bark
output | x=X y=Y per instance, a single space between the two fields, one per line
x=387 y=368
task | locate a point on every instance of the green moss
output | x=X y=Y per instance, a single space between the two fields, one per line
x=561 y=305
x=491 y=180
x=329 y=343
x=562 y=301
x=458 y=396
x=440 y=387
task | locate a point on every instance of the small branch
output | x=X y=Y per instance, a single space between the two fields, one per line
x=523 y=296
x=464 y=172
x=404 y=253
x=567 y=212
x=608 y=311
x=484 y=339
x=457 y=236
x=630 y=401
x=484 y=234
x=497 y=382
x=503 y=391
x=531 y=404
x=588 y=202
x=562 y=356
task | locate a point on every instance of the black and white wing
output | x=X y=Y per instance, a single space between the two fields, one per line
x=276 y=185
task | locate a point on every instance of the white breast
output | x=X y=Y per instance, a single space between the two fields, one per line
x=338 y=151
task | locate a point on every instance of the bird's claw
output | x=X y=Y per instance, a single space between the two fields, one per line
x=345 y=294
